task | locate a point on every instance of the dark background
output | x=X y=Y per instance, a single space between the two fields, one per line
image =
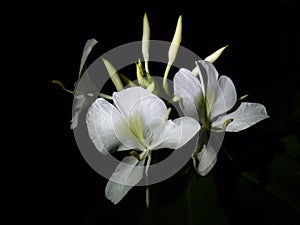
x=260 y=185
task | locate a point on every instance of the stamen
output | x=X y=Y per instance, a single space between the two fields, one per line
x=136 y=155
x=144 y=154
x=225 y=124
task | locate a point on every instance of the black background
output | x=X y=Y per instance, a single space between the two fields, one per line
x=262 y=60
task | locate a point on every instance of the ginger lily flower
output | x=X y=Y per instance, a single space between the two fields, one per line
x=212 y=100
x=138 y=122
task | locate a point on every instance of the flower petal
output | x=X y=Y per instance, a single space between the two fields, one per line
x=179 y=132
x=86 y=51
x=126 y=98
x=187 y=88
x=205 y=160
x=80 y=100
x=100 y=126
x=124 y=134
x=208 y=73
x=246 y=115
x=151 y=109
x=225 y=97
x=186 y=85
x=189 y=108
x=157 y=129
x=208 y=80
x=127 y=174
x=142 y=109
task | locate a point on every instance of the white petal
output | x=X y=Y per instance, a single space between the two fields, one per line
x=151 y=109
x=205 y=160
x=207 y=71
x=189 y=108
x=100 y=126
x=127 y=174
x=74 y=120
x=186 y=85
x=187 y=88
x=80 y=100
x=208 y=79
x=246 y=115
x=225 y=97
x=85 y=93
x=126 y=98
x=145 y=108
x=179 y=132
x=157 y=129
x=86 y=51
x=125 y=135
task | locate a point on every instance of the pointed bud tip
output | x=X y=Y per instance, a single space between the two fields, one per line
x=243 y=97
x=214 y=56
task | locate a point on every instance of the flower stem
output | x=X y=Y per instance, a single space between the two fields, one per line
x=146 y=174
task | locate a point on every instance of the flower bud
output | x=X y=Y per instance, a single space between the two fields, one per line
x=146 y=41
x=113 y=75
x=213 y=57
x=173 y=52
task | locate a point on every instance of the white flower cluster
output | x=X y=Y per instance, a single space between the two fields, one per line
x=138 y=119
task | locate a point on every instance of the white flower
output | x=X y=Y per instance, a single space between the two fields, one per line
x=212 y=100
x=137 y=121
